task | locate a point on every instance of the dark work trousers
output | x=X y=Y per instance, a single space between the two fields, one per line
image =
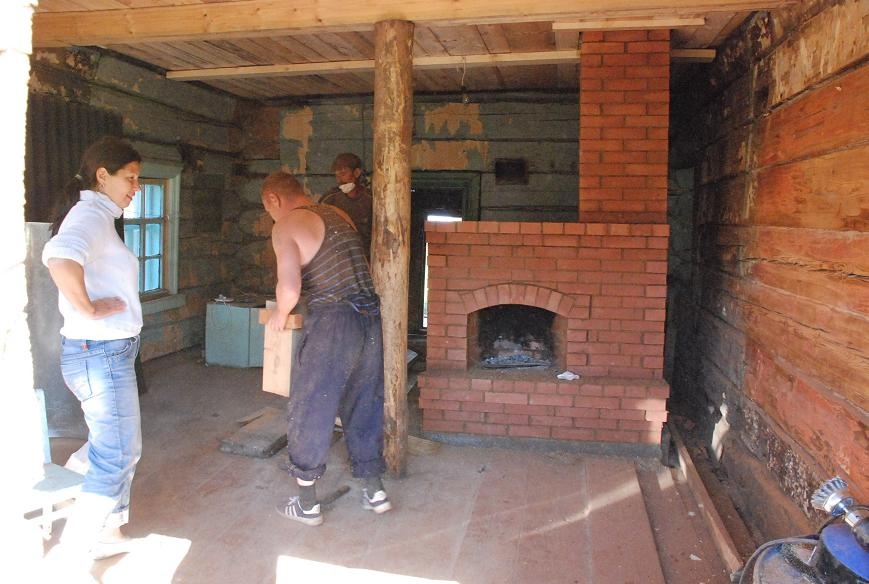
x=338 y=371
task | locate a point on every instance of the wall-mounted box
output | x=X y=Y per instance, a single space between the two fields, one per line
x=233 y=334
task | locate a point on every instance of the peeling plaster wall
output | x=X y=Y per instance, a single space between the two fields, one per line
x=769 y=335
x=448 y=135
x=179 y=124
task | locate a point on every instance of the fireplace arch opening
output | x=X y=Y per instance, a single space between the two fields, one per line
x=511 y=336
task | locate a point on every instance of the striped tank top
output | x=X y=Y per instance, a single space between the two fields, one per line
x=338 y=273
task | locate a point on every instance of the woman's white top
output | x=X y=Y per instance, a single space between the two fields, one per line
x=88 y=237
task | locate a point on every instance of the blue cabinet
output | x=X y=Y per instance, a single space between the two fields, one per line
x=233 y=334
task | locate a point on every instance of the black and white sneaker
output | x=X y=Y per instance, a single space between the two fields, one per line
x=293 y=509
x=378 y=502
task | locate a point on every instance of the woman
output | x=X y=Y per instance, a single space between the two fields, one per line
x=97 y=277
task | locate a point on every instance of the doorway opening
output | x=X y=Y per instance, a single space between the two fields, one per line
x=435 y=196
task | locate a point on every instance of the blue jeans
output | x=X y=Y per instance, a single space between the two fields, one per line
x=102 y=376
x=338 y=371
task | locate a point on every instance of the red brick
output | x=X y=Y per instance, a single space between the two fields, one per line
x=551 y=400
x=462 y=395
x=442 y=426
x=626 y=84
x=464 y=416
x=481 y=384
x=617 y=436
x=497 y=418
x=506 y=398
x=572 y=434
x=659 y=34
x=578 y=412
x=609 y=403
x=650 y=404
x=587 y=96
x=647 y=71
x=530 y=431
x=433 y=414
x=509 y=227
x=545 y=388
x=466 y=262
x=551 y=421
x=528 y=410
x=606 y=423
x=531 y=227
x=647 y=47
x=502 y=385
x=482 y=407
x=625 y=60
x=622 y=109
x=524 y=387
x=486 y=429
x=599 y=48
x=625 y=35
x=623 y=414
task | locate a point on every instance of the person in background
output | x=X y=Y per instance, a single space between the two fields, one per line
x=97 y=279
x=339 y=366
x=352 y=196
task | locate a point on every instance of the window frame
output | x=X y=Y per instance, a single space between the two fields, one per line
x=169 y=298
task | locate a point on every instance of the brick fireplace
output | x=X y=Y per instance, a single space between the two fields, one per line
x=603 y=279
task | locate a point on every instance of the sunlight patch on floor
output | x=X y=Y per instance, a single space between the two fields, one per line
x=291 y=570
x=614 y=496
x=154 y=561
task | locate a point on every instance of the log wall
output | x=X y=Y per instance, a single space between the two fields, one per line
x=771 y=351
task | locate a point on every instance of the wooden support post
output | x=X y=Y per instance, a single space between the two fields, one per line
x=393 y=119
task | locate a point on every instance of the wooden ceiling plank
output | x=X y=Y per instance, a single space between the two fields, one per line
x=432 y=62
x=530 y=36
x=460 y=40
x=300 y=48
x=426 y=39
x=631 y=23
x=275 y=17
x=494 y=37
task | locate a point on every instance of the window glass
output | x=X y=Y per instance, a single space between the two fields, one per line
x=152 y=275
x=153 y=239
x=133 y=238
x=153 y=200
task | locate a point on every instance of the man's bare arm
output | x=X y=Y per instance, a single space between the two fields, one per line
x=289 y=272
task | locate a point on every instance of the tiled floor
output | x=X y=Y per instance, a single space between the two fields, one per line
x=461 y=515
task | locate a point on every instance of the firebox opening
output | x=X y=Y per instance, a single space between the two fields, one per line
x=514 y=336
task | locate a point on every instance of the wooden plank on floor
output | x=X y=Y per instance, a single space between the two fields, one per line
x=261 y=438
x=726 y=547
x=623 y=546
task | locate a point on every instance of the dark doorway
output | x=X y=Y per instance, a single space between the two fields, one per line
x=443 y=194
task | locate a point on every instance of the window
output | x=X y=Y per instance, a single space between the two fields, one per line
x=145 y=228
x=151 y=232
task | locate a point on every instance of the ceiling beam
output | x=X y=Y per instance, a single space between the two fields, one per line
x=419 y=63
x=246 y=18
x=630 y=23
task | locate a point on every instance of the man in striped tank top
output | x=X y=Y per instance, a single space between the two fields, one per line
x=339 y=365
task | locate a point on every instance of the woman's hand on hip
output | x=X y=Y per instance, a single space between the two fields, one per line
x=104 y=307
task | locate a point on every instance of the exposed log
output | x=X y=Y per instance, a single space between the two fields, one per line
x=393 y=120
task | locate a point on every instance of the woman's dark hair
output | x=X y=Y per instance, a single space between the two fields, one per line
x=108 y=152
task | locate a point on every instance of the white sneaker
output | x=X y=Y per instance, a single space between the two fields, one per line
x=378 y=502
